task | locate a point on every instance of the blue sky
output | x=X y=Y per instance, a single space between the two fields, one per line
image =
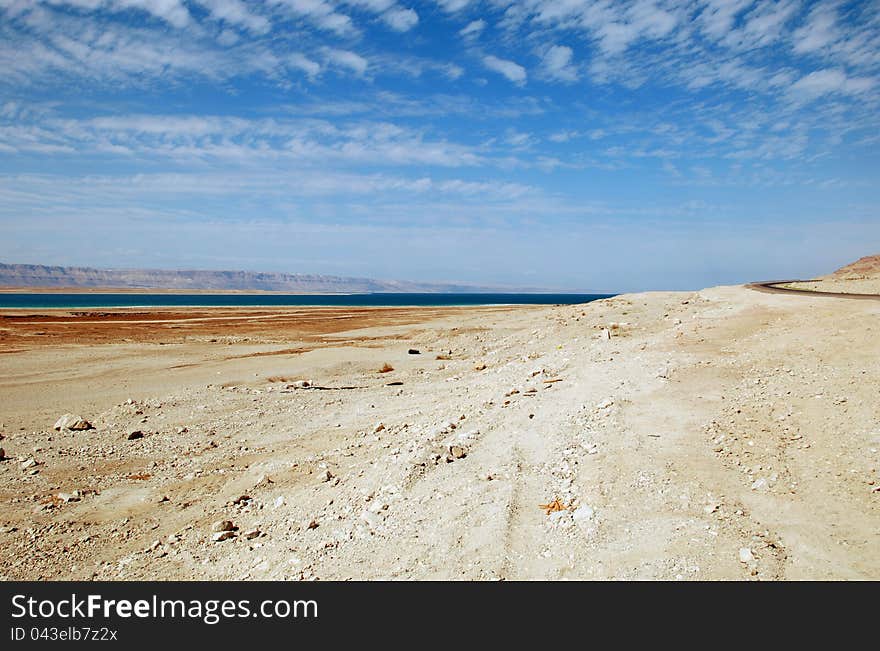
x=571 y=144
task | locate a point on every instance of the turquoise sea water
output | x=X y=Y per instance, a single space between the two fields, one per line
x=95 y=300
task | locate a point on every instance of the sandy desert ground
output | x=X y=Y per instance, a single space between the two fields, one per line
x=720 y=434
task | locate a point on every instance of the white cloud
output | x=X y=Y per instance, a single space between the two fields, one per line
x=228 y=37
x=650 y=19
x=452 y=71
x=346 y=59
x=556 y=64
x=763 y=26
x=717 y=16
x=181 y=139
x=74 y=49
x=301 y=62
x=513 y=71
x=376 y=6
x=171 y=11
x=236 y=12
x=401 y=20
x=321 y=13
x=822 y=82
x=562 y=136
x=453 y=6
x=819 y=31
x=473 y=28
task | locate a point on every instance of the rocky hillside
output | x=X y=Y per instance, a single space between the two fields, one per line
x=26 y=275
x=860 y=277
x=863 y=268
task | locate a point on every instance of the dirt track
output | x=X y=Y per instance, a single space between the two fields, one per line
x=773 y=287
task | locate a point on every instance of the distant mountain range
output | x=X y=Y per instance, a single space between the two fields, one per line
x=29 y=275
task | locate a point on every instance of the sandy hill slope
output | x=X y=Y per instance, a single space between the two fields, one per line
x=862 y=269
x=860 y=277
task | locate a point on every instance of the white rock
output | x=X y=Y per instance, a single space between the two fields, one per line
x=263 y=480
x=745 y=555
x=759 y=484
x=222 y=525
x=72 y=422
x=583 y=513
x=220 y=536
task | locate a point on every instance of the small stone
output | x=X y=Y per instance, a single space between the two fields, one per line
x=414 y=351
x=606 y=334
x=252 y=533
x=220 y=536
x=69 y=497
x=2 y=454
x=72 y=422
x=605 y=404
x=759 y=484
x=262 y=481
x=301 y=384
x=326 y=476
x=134 y=434
x=378 y=428
x=745 y=555
x=223 y=525
x=480 y=367
x=457 y=452
x=30 y=463
x=313 y=524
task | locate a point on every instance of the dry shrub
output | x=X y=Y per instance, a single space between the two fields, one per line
x=386 y=368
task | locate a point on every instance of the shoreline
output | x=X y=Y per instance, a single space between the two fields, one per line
x=222 y=292
x=93 y=301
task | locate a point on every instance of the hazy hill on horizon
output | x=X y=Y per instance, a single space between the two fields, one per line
x=44 y=276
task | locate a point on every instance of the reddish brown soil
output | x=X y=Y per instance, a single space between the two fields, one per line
x=27 y=329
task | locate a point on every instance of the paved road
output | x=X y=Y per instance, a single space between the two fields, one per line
x=772 y=287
